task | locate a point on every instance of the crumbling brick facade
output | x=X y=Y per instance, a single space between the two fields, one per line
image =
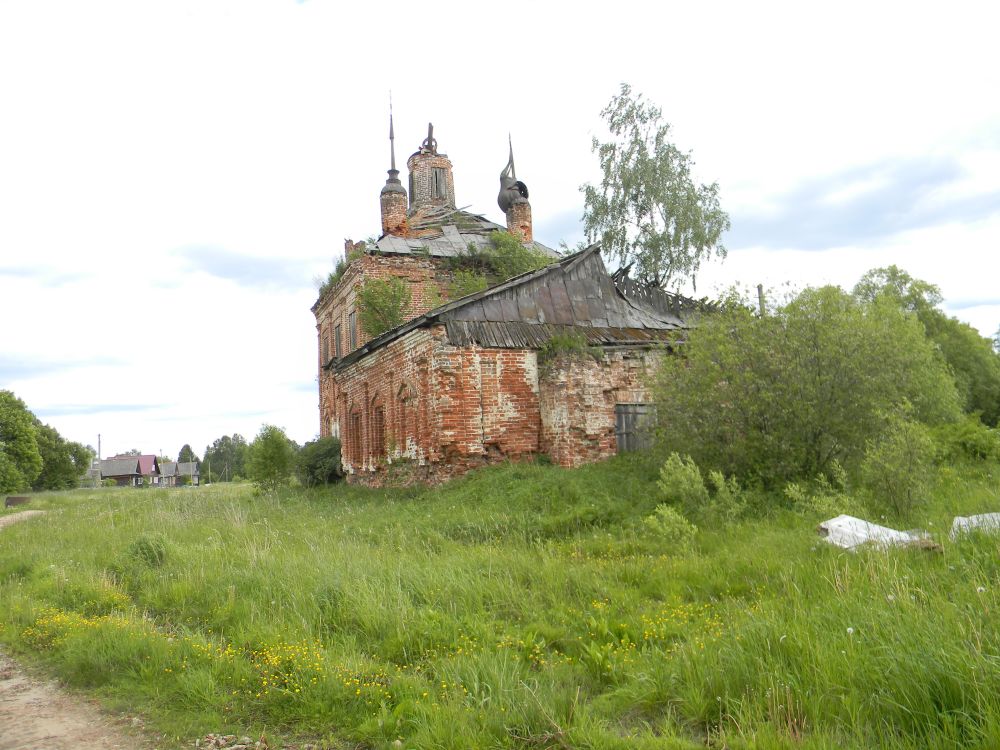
x=519 y=221
x=439 y=410
x=578 y=396
x=444 y=408
x=459 y=385
x=338 y=320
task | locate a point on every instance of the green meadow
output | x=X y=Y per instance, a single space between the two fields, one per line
x=524 y=606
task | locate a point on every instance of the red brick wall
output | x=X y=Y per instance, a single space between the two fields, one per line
x=428 y=281
x=446 y=409
x=421 y=167
x=577 y=400
x=394 y=206
x=519 y=221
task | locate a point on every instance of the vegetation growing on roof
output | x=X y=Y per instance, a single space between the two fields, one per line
x=333 y=278
x=572 y=344
x=382 y=304
x=481 y=267
x=466 y=282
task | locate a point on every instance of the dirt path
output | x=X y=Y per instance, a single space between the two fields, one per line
x=22 y=516
x=36 y=714
x=39 y=715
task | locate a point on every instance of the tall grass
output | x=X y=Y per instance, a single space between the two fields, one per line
x=523 y=606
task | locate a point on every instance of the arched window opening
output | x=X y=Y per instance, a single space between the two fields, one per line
x=378 y=431
x=354 y=436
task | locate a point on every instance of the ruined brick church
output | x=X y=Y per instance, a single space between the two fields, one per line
x=459 y=384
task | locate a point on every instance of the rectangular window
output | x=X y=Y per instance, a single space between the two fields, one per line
x=352 y=330
x=440 y=177
x=633 y=426
x=336 y=342
x=326 y=347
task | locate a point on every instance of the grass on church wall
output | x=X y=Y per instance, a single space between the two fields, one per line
x=524 y=606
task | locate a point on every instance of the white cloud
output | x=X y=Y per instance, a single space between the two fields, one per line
x=135 y=134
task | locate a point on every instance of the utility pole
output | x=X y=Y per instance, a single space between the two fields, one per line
x=760 y=299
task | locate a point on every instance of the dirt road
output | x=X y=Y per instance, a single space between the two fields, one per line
x=38 y=715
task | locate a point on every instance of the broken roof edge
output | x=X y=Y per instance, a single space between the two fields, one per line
x=432 y=315
x=375 y=249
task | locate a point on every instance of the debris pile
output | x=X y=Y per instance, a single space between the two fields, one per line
x=849 y=532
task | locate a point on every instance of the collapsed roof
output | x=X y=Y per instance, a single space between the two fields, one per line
x=445 y=232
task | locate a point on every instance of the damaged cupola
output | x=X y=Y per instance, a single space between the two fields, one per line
x=513 y=201
x=431 y=179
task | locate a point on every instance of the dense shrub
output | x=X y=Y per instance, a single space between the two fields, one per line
x=270 y=458
x=969 y=438
x=466 y=282
x=669 y=525
x=779 y=398
x=506 y=256
x=683 y=486
x=824 y=496
x=898 y=465
x=319 y=462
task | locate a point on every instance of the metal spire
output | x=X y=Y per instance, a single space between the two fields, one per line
x=513 y=172
x=392 y=183
x=392 y=136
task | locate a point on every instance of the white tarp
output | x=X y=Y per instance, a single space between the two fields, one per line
x=849 y=532
x=988 y=522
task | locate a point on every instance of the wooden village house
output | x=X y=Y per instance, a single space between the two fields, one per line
x=461 y=384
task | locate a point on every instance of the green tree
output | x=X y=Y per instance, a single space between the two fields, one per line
x=648 y=210
x=63 y=462
x=270 y=458
x=319 y=462
x=186 y=455
x=382 y=304
x=973 y=360
x=225 y=459
x=22 y=461
x=784 y=396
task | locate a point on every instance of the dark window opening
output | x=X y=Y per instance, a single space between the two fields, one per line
x=355 y=438
x=440 y=177
x=352 y=330
x=378 y=432
x=634 y=426
x=326 y=348
x=336 y=342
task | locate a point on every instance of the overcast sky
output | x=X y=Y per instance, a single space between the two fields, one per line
x=174 y=175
